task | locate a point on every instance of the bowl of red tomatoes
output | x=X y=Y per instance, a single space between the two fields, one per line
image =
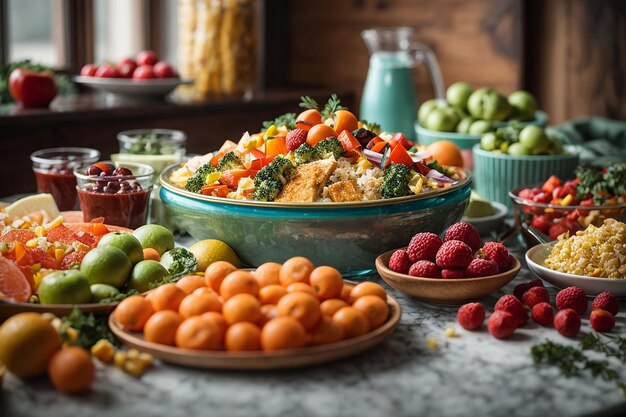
x=558 y=206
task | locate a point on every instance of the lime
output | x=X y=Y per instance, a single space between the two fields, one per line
x=126 y=242
x=211 y=250
x=489 y=141
x=101 y=291
x=65 y=287
x=154 y=236
x=146 y=273
x=106 y=265
x=464 y=124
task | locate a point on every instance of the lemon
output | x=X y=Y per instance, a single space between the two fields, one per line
x=211 y=250
x=43 y=203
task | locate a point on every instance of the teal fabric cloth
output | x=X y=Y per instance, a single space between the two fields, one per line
x=600 y=140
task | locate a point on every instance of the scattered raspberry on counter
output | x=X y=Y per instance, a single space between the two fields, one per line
x=424 y=269
x=520 y=289
x=400 y=262
x=481 y=268
x=471 y=316
x=601 y=320
x=513 y=306
x=542 y=314
x=501 y=324
x=535 y=295
x=572 y=297
x=424 y=247
x=606 y=301
x=466 y=233
x=567 y=322
x=454 y=254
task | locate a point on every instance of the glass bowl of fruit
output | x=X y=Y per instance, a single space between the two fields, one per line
x=556 y=206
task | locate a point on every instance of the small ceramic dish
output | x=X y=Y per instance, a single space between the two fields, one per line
x=124 y=87
x=486 y=224
x=444 y=291
x=536 y=258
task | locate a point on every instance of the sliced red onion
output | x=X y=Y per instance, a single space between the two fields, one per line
x=419 y=156
x=438 y=176
x=373 y=157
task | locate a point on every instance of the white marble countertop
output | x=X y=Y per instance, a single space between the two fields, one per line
x=472 y=374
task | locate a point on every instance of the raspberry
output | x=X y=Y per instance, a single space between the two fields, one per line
x=534 y=296
x=471 y=316
x=572 y=297
x=452 y=273
x=481 y=268
x=496 y=252
x=501 y=324
x=295 y=138
x=454 y=254
x=399 y=262
x=567 y=322
x=520 y=289
x=601 y=320
x=542 y=313
x=466 y=233
x=514 y=306
x=424 y=269
x=606 y=301
x=424 y=247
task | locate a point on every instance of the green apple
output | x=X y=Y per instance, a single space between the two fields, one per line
x=533 y=138
x=464 y=124
x=64 y=287
x=488 y=104
x=517 y=149
x=146 y=273
x=106 y=265
x=155 y=236
x=458 y=94
x=489 y=141
x=425 y=108
x=126 y=242
x=523 y=104
x=442 y=120
x=479 y=127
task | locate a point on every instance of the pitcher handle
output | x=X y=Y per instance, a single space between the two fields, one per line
x=424 y=53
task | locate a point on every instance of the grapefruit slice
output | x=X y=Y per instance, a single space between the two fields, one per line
x=43 y=203
x=13 y=283
x=18 y=235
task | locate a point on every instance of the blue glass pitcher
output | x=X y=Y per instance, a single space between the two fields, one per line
x=389 y=96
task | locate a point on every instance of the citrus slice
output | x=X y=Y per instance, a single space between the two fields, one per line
x=18 y=235
x=13 y=283
x=43 y=203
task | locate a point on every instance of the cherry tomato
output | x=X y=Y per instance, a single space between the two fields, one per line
x=146 y=58
x=88 y=70
x=144 y=72
x=163 y=69
x=308 y=118
x=106 y=71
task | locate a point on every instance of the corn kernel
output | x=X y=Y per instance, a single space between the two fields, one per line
x=450 y=332
x=119 y=359
x=432 y=343
x=145 y=359
x=134 y=368
x=32 y=243
x=103 y=350
x=40 y=231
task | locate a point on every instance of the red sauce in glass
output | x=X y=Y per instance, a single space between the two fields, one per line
x=62 y=186
x=128 y=209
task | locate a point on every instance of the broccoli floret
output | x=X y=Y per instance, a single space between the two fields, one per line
x=229 y=161
x=280 y=169
x=267 y=190
x=199 y=179
x=329 y=147
x=396 y=181
x=305 y=154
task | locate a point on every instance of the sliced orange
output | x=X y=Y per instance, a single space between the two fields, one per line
x=13 y=283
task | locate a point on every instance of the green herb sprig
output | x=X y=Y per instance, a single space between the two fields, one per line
x=89 y=327
x=332 y=105
x=287 y=119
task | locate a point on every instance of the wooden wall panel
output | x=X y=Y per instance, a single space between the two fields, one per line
x=477 y=41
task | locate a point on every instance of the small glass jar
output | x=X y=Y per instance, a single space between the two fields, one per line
x=54 y=172
x=120 y=195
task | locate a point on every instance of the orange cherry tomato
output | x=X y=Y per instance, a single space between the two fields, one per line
x=319 y=132
x=308 y=118
x=345 y=120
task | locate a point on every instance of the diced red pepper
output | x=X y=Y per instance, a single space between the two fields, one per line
x=422 y=168
x=402 y=140
x=231 y=177
x=551 y=184
x=348 y=141
x=216 y=158
x=215 y=190
x=257 y=164
x=379 y=147
x=399 y=155
x=373 y=142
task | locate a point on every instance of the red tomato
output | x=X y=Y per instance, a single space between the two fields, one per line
x=126 y=67
x=106 y=71
x=146 y=58
x=31 y=88
x=164 y=70
x=144 y=72
x=88 y=70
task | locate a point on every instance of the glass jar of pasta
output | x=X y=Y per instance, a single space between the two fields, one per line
x=217 y=47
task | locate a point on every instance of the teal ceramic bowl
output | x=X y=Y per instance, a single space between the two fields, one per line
x=348 y=236
x=495 y=174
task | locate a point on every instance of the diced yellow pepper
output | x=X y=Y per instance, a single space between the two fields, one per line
x=271 y=131
x=567 y=200
x=59 y=254
x=145 y=359
x=32 y=243
x=213 y=177
x=103 y=350
x=134 y=368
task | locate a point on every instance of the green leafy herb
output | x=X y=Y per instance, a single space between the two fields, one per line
x=118 y=297
x=332 y=105
x=179 y=261
x=287 y=119
x=600 y=183
x=90 y=329
x=372 y=127
x=614 y=346
x=307 y=102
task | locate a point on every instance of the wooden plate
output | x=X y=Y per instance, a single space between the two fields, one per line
x=444 y=291
x=263 y=360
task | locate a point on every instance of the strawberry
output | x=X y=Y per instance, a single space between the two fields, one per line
x=454 y=254
x=534 y=296
x=567 y=322
x=471 y=316
x=601 y=320
x=520 y=289
x=498 y=253
x=542 y=313
x=501 y=324
x=295 y=138
x=424 y=269
x=572 y=297
x=481 y=268
x=514 y=306
x=466 y=233
x=452 y=273
x=424 y=247
x=606 y=301
x=400 y=262
x=542 y=223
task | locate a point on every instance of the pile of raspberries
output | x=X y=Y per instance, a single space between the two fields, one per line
x=460 y=254
x=511 y=311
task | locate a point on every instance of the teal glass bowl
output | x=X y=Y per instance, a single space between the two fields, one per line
x=348 y=236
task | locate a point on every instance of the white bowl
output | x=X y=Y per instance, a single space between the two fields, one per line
x=144 y=89
x=536 y=257
x=487 y=224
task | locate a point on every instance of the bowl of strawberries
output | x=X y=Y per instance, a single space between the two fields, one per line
x=566 y=206
x=448 y=270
